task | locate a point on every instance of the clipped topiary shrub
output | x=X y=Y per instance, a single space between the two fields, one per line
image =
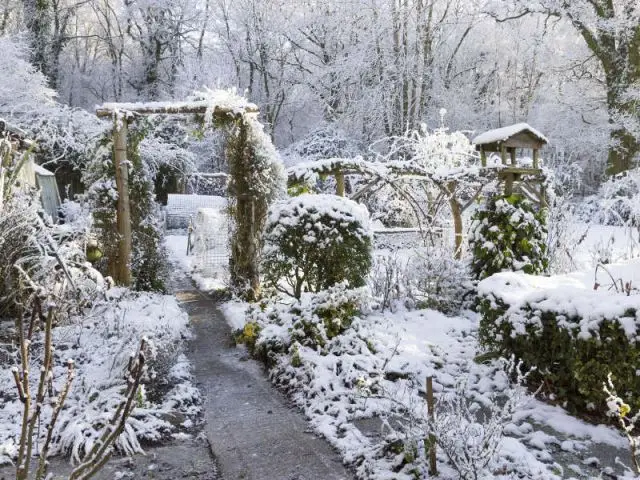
x=572 y=334
x=508 y=235
x=315 y=241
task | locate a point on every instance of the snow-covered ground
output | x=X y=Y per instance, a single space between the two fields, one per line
x=192 y=264
x=600 y=242
x=377 y=369
x=100 y=343
x=339 y=389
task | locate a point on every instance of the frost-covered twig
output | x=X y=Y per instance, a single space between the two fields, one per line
x=103 y=448
x=31 y=412
x=57 y=404
x=470 y=435
x=620 y=410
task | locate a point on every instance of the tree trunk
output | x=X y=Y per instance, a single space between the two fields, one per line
x=38 y=20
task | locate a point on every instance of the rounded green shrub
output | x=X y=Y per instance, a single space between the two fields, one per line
x=508 y=235
x=315 y=241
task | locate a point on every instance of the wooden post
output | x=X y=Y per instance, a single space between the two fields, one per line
x=512 y=151
x=503 y=154
x=483 y=157
x=339 y=183
x=456 y=213
x=433 y=467
x=123 y=270
x=535 y=158
x=508 y=183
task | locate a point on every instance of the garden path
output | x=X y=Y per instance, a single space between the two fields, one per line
x=254 y=432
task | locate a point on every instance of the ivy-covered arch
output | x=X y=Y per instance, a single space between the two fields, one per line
x=257 y=176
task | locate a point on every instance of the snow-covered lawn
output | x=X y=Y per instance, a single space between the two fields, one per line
x=100 y=342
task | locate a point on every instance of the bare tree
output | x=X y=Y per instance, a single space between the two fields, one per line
x=611 y=31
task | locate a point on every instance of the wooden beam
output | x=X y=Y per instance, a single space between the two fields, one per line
x=520 y=171
x=123 y=270
x=512 y=152
x=503 y=154
x=535 y=158
x=107 y=110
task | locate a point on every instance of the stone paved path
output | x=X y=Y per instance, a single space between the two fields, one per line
x=254 y=432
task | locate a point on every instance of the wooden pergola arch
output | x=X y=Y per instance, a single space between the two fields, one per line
x=122 y=114
x=505 y=140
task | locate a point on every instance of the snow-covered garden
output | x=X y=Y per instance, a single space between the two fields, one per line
x=441 y=289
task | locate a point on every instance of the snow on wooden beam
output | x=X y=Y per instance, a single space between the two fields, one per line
x=168 y=108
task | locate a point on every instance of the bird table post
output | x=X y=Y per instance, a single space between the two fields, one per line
x=339 y=183
x=123 y=267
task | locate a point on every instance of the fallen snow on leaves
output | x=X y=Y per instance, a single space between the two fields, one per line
x=101 y=342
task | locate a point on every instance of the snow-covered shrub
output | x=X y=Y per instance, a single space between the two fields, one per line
x=389 y=204
x=315 y=241
x=508 y=235
x=420 y=278
x=574 y=335
x=390 y=281
x=470 y=434
x=101 y=342
x=562 y=236
x=619 y=200
x=35 y=253
x=275 y=328
x=148 y=262
x=442 y=283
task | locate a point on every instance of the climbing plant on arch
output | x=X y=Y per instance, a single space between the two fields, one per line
x=257 y=175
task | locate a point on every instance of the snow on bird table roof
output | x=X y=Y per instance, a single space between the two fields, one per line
x=501 y=134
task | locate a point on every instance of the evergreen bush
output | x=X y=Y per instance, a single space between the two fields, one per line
x=315 y=241
x=508 y=234
x=273 y=328
x=570 y=363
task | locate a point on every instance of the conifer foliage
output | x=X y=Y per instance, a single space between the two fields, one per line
x=508 y=234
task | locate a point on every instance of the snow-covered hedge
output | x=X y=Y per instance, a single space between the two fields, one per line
x=315 y=241
x=572 y=331
x=508 y=235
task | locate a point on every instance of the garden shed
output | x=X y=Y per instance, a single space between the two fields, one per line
x=31 y=174
x=49 y=195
